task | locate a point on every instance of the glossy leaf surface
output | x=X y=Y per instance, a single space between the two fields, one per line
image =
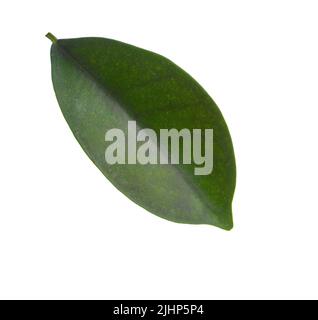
x=101 y=84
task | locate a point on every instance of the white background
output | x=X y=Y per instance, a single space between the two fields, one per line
x=67 y=233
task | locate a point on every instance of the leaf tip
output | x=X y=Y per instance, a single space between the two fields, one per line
x=228 y=227
x=226 y=222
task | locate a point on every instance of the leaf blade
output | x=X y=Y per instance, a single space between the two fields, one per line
x=102 y=84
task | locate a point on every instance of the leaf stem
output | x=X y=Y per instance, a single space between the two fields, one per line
x=51 y=37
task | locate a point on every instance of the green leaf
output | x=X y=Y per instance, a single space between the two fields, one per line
x=102 y=84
